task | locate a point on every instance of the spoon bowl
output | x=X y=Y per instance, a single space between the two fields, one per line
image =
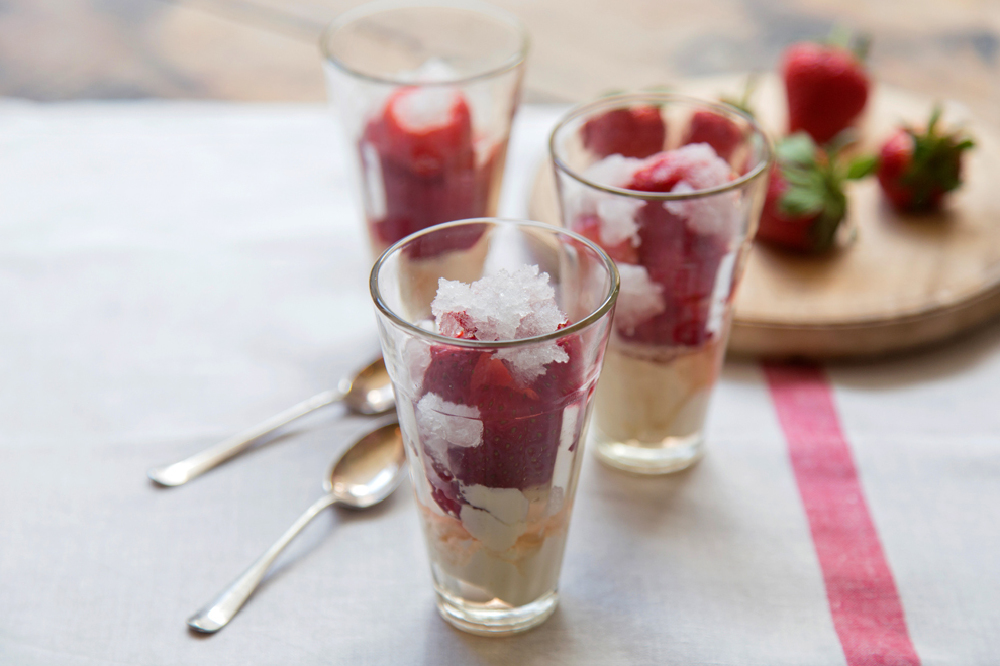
x=369 y=392
x=370 y=469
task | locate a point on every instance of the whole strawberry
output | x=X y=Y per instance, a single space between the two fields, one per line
x=916 y=169
x=427 y=133
x=717 y=130
x=805 y=201
x=638 y=131
x=826 y=86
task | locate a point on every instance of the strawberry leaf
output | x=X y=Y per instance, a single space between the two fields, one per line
x=861 y=167
x=840 y=141
x=935 y=164
x=935 y=117
x=743 y=103
x=857 y=43
x=862 y=46
x=815 y=186
x=802 y=202
x=799 y=148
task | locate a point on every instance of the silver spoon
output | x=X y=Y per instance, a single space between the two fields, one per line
x=365 y=475
x=368 y=392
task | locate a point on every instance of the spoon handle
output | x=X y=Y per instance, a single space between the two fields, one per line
x=185 y=470
x=220 y=611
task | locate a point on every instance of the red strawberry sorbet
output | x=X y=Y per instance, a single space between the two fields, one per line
x=495 y=417
x=423 y=166
x=669 y=253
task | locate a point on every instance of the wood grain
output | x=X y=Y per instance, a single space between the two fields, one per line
x=265 y=50
x=902 y=282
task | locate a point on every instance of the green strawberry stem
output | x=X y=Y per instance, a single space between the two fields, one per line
x=815 y=178
x=858 y=43
x=936 y=160
x=861 y=167
x=743 y=102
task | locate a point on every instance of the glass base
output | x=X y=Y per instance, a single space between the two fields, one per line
x=672 y=454
x=495 y=618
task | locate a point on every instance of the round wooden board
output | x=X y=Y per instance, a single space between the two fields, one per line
x=904 y=281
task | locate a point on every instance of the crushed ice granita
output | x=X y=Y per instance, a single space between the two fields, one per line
x=424 y=166
x=676 y=260
x=494 y=431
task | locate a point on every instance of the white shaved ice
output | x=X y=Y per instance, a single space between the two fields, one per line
x=704 y=169
x=505 y=306
x=502 y=306
x=422 y=108
x=493 y=533
x=639 y=298
x=417 y=357
x=527 y=364
x=613 y=171
x=702 y=166
x=442 y=424
x=508 y=505
x=617 y=215
x=489 y=107
x=432 y=70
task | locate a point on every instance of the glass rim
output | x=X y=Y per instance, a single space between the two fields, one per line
x=515 y=60
x=660 y=98
x=605 y=306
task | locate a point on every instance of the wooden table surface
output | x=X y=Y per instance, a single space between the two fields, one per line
x=265 y=50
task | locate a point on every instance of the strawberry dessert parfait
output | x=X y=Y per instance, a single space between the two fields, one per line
x=493 y=382
x=426 y=96
x=671 y=188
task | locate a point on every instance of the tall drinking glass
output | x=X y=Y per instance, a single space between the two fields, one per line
x=671 y=187
x=425 y=92
x=494 y=428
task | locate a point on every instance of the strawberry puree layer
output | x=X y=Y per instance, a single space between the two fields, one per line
x=423 y=166
x=670 y=252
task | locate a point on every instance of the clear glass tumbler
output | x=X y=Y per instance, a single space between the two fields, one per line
x=425 y=93
x=671 y=187
x=494 y=429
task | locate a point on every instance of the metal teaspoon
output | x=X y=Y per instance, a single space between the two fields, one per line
x=368 y=392
x=365 y=475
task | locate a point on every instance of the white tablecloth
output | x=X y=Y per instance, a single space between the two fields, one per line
x=171 y=273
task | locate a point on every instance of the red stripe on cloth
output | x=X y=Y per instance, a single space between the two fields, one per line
x=864 y=602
